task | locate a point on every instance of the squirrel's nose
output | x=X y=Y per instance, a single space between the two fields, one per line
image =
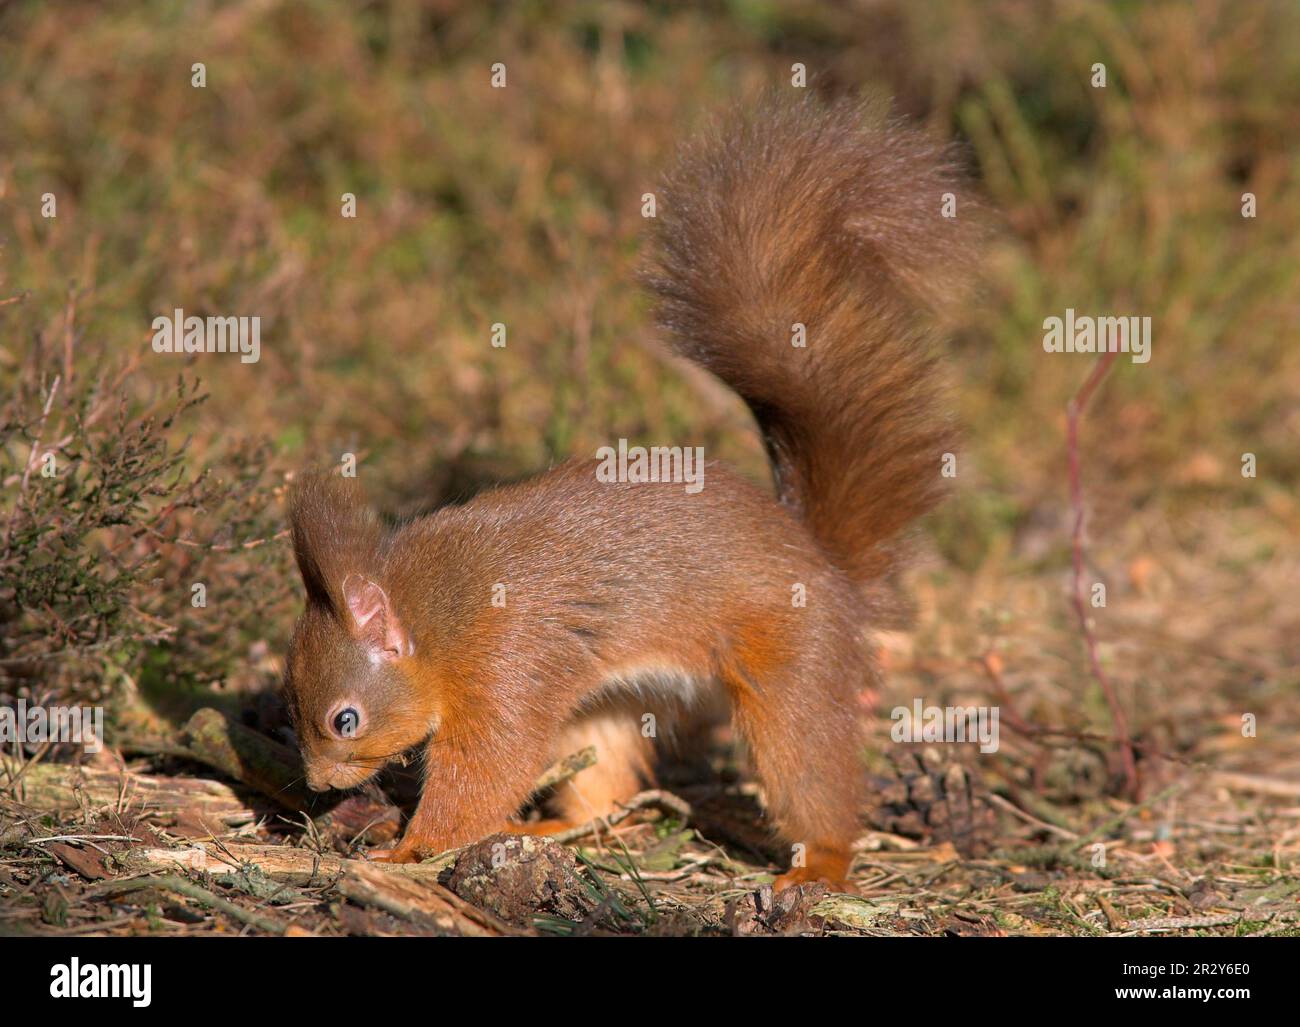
x=317 y=781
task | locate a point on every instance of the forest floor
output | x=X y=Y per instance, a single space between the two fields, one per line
x=523 y=206
x=1030 y=840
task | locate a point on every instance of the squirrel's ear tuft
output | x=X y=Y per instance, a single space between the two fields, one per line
x=373 y=618
x=335 y=533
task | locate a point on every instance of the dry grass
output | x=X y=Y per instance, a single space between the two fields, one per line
x=522 y=206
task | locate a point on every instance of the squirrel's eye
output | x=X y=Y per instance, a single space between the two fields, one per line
x=346 y=722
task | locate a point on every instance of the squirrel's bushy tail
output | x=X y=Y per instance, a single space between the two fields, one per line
x=830 y=218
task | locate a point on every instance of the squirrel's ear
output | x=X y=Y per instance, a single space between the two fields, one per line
x=335 y=532
x=374 y=619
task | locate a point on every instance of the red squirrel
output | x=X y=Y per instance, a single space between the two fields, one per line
x=798 y=256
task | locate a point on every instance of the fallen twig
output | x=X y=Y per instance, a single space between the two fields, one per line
x=189 y=889
x=654 y=797
x=419 y=900
x=562 y=770
x=32 y=457
x=1256 y=783
x=1111 y=823
x=1029 y=818
x=1074 y=412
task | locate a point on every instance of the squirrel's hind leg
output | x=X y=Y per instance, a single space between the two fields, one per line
x=800 y=720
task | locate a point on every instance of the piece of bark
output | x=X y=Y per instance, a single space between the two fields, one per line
x=58 y=787
x=369 y=923
x=369 y=818
x=87 y=862
x=422 y=902
x=788 y=912
x=279 y=862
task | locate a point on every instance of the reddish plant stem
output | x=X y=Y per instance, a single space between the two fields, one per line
x=1074 y=412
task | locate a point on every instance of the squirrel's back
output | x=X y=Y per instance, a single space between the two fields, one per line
x=799 y=257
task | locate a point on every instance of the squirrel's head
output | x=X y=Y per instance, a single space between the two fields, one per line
x=351 y=680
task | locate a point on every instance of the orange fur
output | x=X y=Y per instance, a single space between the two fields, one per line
x=623 y=599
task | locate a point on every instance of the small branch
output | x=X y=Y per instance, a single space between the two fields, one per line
x=299 y=867
x=180 y=886
x=1074 y=412
x=69 y=331
x=991 y=664
x=31 y=462
x=216 y=547
x=1112 y=823
x=82 y=838
x=1257 y=784
x=562 y=770
x=14 y=774
x=1029 y=818
x=655 y=797
x=250 y=757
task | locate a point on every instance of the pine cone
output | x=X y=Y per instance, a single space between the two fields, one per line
x=934 y=799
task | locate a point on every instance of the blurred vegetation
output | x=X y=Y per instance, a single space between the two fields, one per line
x=522 y=206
